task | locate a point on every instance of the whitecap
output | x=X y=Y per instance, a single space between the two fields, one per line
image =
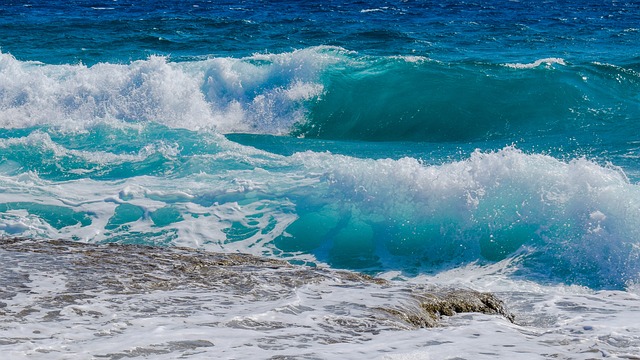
x=548 y=62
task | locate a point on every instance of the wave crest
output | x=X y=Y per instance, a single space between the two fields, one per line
x=263 y=93
x=322 y=92
x=548 y=62
x=576 y=221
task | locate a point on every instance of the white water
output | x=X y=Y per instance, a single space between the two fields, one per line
x=264 y=93
x=327 y=320
x=577 y=221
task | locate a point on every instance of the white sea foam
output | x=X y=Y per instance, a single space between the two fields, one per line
x=318 y=320
x=74 y=96
x=548 y=62
x=560 y=321
x=373 y=10
x=262 y=93
x=416 y=59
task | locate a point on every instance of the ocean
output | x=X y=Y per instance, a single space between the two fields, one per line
x=491 y=146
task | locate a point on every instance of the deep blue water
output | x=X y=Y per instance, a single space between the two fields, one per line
x=471 y=31
x=409 y=135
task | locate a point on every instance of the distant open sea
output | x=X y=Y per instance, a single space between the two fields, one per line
x=489 y=145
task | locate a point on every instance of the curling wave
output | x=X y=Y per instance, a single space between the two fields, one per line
x=327 y=92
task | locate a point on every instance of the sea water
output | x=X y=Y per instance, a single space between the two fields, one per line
x=491 y=145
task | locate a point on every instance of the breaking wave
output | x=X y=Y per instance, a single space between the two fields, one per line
x=325 y=92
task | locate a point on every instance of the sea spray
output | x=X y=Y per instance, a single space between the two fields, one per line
x=488 y=207
x=328 y=92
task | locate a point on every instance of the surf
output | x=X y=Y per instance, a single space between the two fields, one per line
x=570 y=221
x=162 y=152
x=329 y=93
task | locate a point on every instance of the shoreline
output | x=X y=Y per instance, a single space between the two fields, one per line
x=135 y=269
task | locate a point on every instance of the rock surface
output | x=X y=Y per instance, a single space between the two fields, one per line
x=129 y=270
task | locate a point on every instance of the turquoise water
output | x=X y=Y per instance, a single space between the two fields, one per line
x=410 y=136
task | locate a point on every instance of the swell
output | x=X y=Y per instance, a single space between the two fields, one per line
x=329 y=93
x=398 y=99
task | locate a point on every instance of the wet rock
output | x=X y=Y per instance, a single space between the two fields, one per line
x=91 y=270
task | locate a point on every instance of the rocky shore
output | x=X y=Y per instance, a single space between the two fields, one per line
x=130 y=270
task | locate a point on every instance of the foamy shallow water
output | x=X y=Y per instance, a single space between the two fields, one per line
x=95 y=307
x=551 y=321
